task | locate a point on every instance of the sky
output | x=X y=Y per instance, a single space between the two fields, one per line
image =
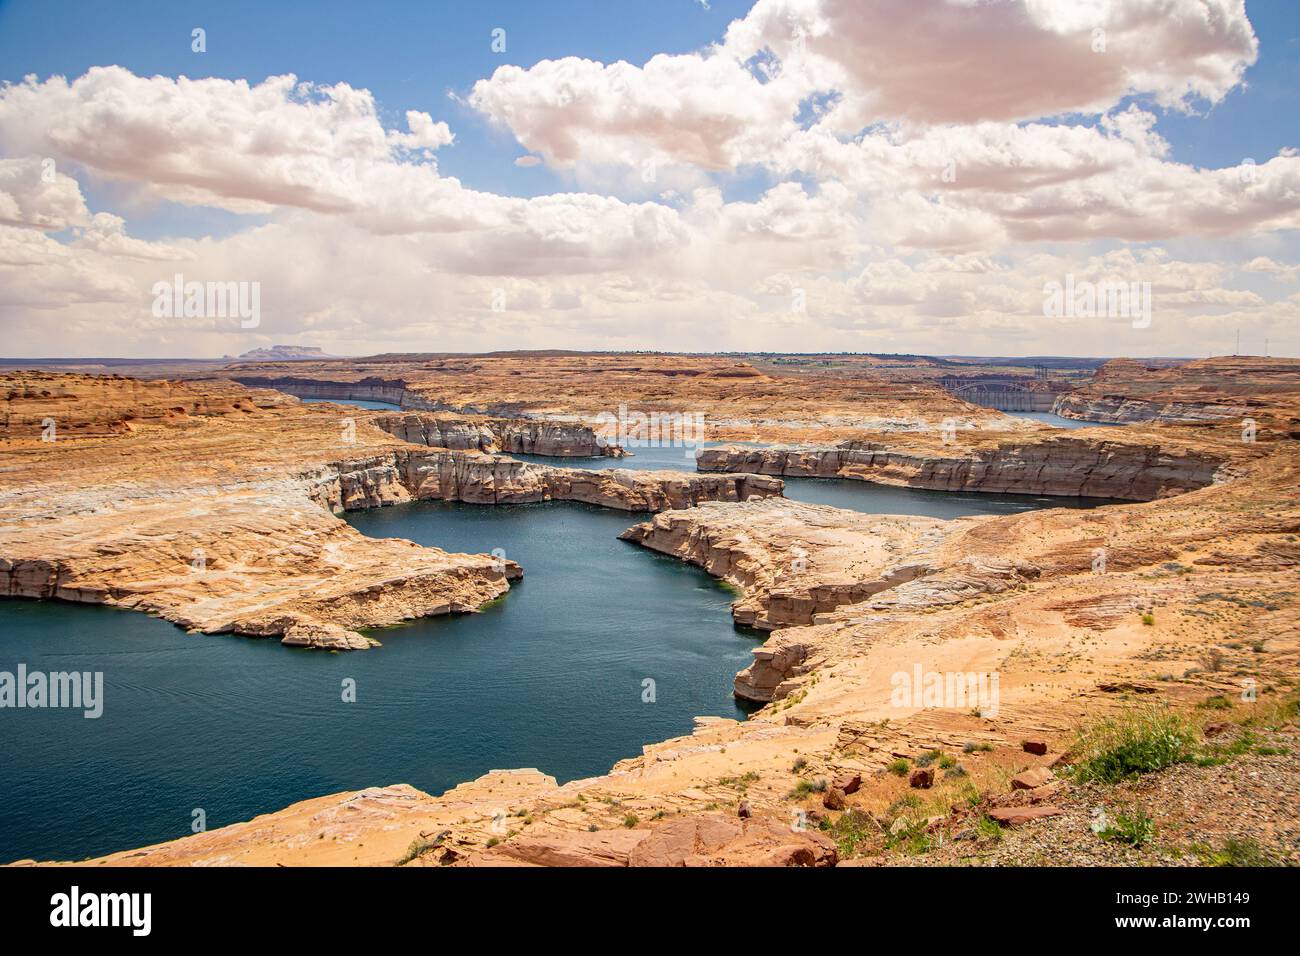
x=932 y=176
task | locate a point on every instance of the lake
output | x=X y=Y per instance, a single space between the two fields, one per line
x=549 y=676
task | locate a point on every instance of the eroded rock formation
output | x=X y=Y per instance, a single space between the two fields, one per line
x=1175 y=599
x=1132 y=467
x=1222 y=389
x=210 y=506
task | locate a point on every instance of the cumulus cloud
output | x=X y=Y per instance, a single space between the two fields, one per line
x=929 y=166
x=34 y=193
x=892 y=61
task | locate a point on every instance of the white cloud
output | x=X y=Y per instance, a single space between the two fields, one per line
x=930 y=171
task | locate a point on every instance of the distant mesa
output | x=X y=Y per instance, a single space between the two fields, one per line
x=282 y=353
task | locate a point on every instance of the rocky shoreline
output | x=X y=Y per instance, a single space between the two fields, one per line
x=1081 y=614
x=169 y=524
x=1123 y=468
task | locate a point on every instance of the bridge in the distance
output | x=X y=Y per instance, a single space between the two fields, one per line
x=1005 y=393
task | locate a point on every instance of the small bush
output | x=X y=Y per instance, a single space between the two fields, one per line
x=1217 y=702
x=631 y=820
x=928 y=758
x=1136 y=830
x=799 y=765
x=1138 y=742
x=1211 y=661
x=987 y=830
x=899 y=767
x=417 y=848
x=850 y=830
x=1245 y=852
x=1149 y=620
x=947 y=762
x=805 y=787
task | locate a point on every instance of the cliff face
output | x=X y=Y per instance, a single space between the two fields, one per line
x=1227 y=388
x=1127 y=470
x=210 y=506
x=1122 y=410
x=513 y=435
x=735 y=399
x=489 y=479
x=367 y=389
x=794 y=561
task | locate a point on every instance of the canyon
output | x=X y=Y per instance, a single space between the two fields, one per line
x=1178 y=595
x=143 y=495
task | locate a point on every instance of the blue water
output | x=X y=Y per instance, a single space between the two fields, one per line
x=1047 y=418
x=358 y=402
x=847 y=493
x=549 y=676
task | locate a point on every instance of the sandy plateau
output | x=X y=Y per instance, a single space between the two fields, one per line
x=1179 y=596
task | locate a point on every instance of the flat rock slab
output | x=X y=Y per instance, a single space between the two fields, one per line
x=1014 y=816
x=1031 y=779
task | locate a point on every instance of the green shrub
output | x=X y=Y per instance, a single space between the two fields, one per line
x=850 y=830
x=1217 y=702
x=805 y=787
x=899 y=767
x=987 y=830
x=1244 y=852
x=1138 y=742
x=1136 y=830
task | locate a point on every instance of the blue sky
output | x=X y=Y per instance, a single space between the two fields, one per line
x=412 y=53
x=409 y=54
x=757 y=194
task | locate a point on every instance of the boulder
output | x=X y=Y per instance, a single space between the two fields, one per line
x=833 y=798
x=1014 y=816
x=1034 y=777
x=922 y=778
x=848 y=782
x=1037 y=747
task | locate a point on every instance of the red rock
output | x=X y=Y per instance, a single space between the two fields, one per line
x=1038 y=747
x=1064 y=760
x=1014 y=816
x=833 y=799
x=922 y=778
x=848 y=782
x=1034 y=777
x=1039 y=794
x=744 y=810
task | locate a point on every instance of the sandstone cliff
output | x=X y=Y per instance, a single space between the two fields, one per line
x=1078 y=613
x=1129 y=467
x=210 y=506
x=1226 y=388
x=512 y=436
